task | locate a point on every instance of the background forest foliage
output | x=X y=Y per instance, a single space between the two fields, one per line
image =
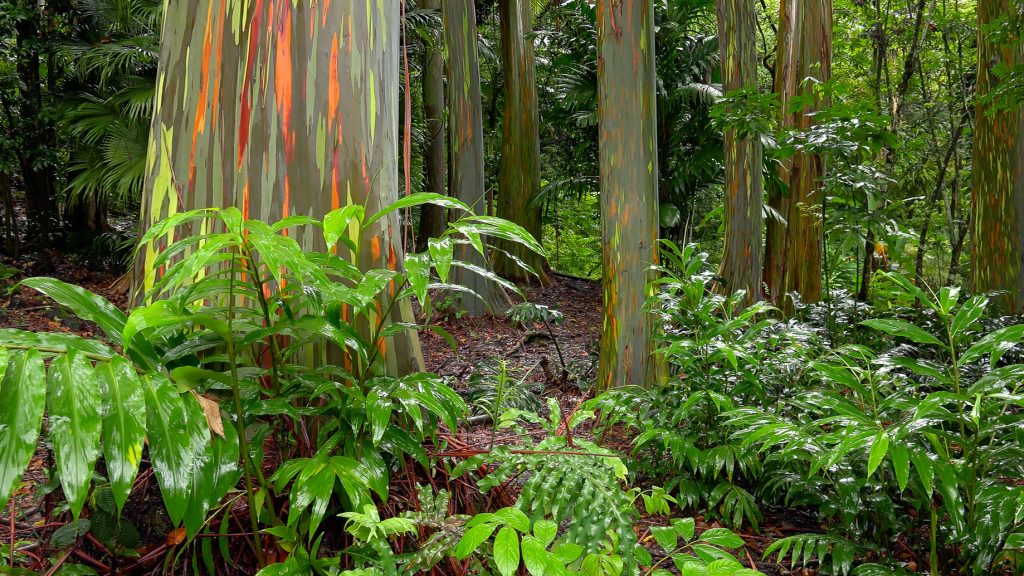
x=805 y=218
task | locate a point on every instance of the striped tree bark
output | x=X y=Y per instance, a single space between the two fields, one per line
x=741 y=257
x=629 y=188
x=435 y=153
x=519 y=174
x=795 y=250
x=997 y=196
x=466 y=142
x=280 y=108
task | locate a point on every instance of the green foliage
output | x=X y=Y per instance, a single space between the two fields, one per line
x=222 y=356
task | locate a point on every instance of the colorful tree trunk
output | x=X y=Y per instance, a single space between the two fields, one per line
x=466 y=140
x=997 y=210
x=435 y=153
x=280 y=108
x=741 y=257
x=519 y=177
x=629 y=188
x=795 y=250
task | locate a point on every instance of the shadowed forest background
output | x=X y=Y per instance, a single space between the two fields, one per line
x=545 y=287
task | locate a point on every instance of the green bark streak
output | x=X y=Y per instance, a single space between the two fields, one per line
x=794 y=252
x=435 y=154
x=519 y=177
x=280 y=108
x=466 y=137
x=997 y=207
x=629 y=188
x=741 y=257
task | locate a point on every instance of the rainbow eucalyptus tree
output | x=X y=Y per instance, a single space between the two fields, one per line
x=741 y=257
x=997 y=196
x=519 y=174
x=435 y=153
x=794 y=251
x=279 y=108
x=629 y=188
x=466 y=143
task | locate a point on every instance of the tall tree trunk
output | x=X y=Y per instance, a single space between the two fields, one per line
x=519 y=174
x=629 y=189
x=435 y=154
x=997 y=209
x=795 y=251
x=280 y=108
x=466 y=136
x=741 y=256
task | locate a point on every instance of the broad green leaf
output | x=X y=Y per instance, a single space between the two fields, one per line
x=22 y=401
x=442 y=252
x=53 y=343
x=515 y=518
x=685 y=527
x=990 y=343
x=84 y=304
x=923 y=466
x=416 y=200
x=879 y=448
x=900 y=463
x=535 y=557
x=970 y=312
x=170 y=446
x=75 y=425
x=666 y=537
x=721 y=537
x=124 y=425
x=902 y=329
x=545 y=531
x=216 y=473
x=473 y=538
x=417 y=271
x=337 y=224
x=170 y=223
x=294 y=221
x=506 y=230
x=506 y=551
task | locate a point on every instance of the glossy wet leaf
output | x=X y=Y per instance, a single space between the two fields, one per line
x=75 y=425
x=22 y=401
x=171 y=449
x=84 y=304
x=124 y=425
x=216 y=472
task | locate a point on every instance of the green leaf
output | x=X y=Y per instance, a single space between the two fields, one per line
x=535 y=556
x=879 y=448
x=75 y=425
x=473 y=538
x=442 y=252
x=216 y=472
x=338 y=223
x=124 y=425
x=900 y=463
x=545 y=531
x=923 y=466
x=506 y=551
x=970 y=312
x=417 y=270
x=515 y=518
x=666 y=537
x=903 y=330
x=416 y=200
x=22 y=401
x=83 y=303
x=172 y=451
x=685 y=527
x=50 y=343
x=721 y=537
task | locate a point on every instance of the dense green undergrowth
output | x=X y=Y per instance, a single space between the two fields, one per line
x=254 y=382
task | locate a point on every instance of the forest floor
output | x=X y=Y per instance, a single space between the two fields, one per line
x=529 y=351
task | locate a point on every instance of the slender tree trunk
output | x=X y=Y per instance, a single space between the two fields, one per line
x=466 y=137
x=280 y=108
x=629 y=189
x=435 y=154
x=997 y=219
x=10 y=221
x=741 y=256
x=519 y=174
x=795 y=251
